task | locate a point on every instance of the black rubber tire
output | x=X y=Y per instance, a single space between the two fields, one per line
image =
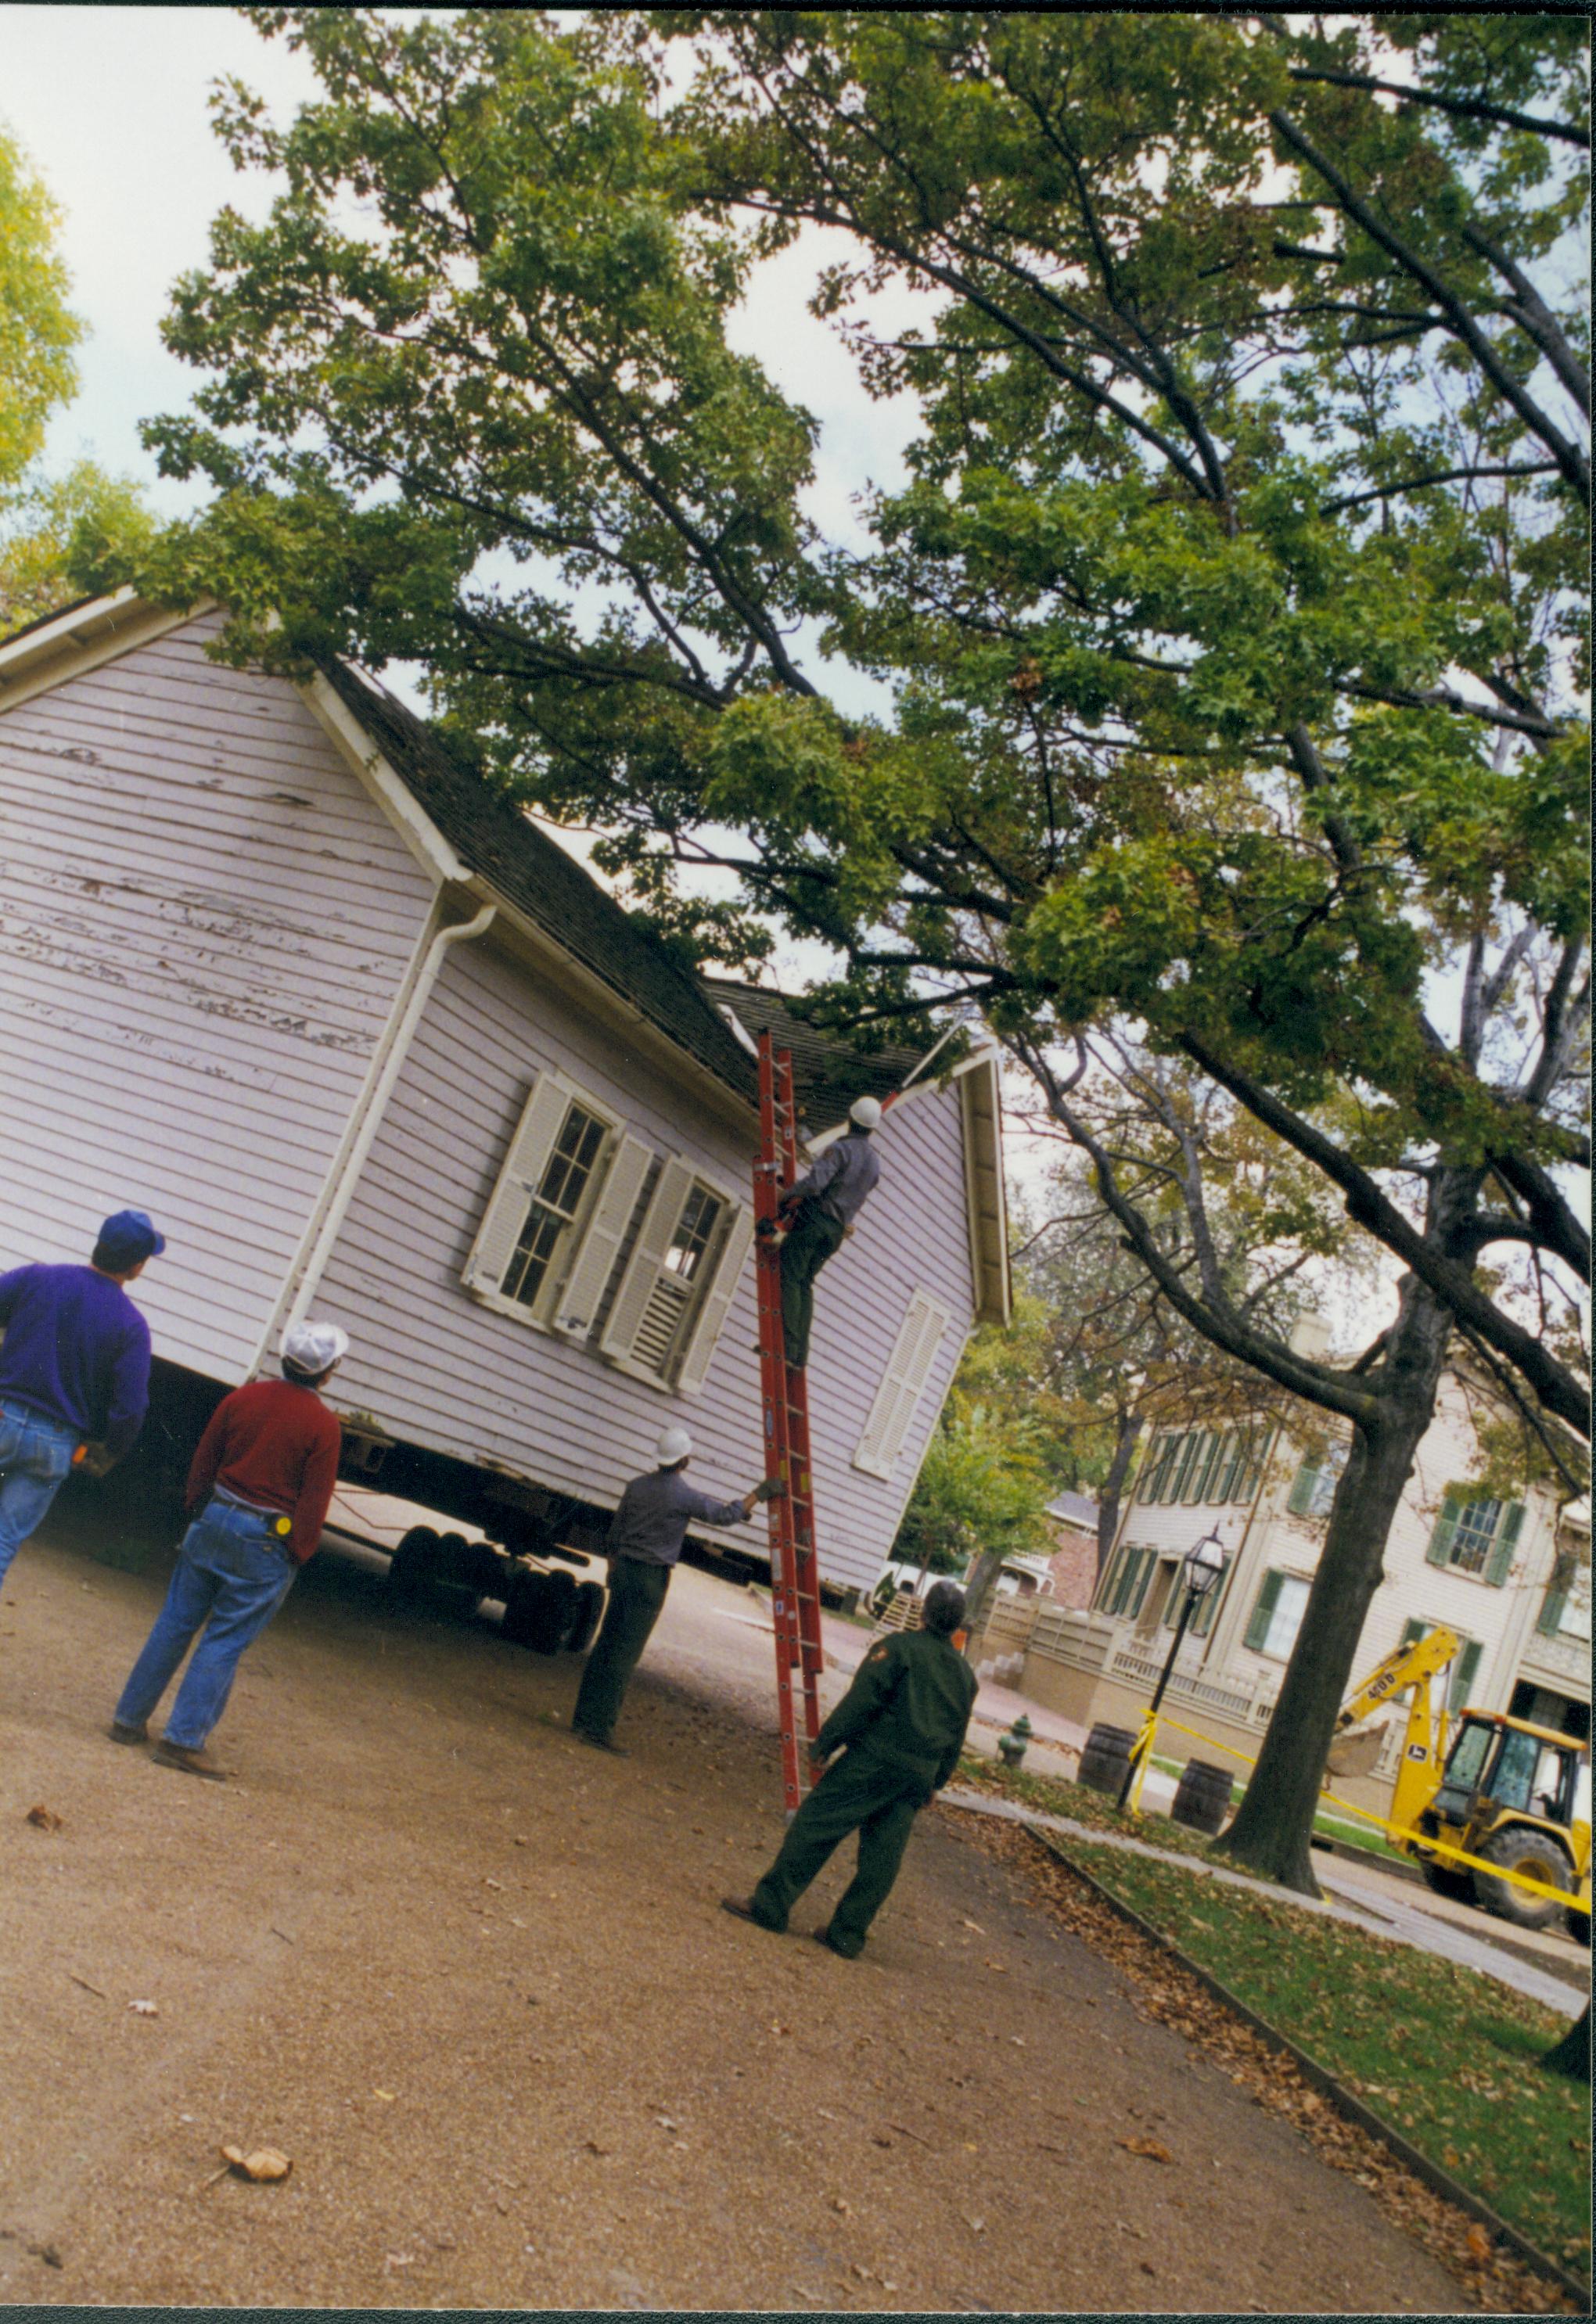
x=455 y=1558
x=1579 y=1928
x=1522 y=1849
x=521 y=1607
x=1445 y=1881
x=490 y=1570
x=414 y=1564
x=556 y=1611
x=590 y=1607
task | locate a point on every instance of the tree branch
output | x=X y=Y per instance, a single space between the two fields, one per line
x=1471 y=108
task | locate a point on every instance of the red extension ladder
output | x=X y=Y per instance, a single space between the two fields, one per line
x=784 y=1397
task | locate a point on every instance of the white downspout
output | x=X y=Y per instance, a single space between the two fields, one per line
x=372 y=1113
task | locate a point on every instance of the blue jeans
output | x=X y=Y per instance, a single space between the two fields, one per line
x=233 y=1574
x=35 y=1461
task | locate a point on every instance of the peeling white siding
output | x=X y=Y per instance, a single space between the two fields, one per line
x=439 y=1369
x=204 y=920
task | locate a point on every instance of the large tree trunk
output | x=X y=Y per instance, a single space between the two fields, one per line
x=1126 y=1430
x=980 y=1582
x=1572 y=2054
x=1274 y=1822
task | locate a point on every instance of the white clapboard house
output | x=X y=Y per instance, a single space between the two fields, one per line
x=277 y=968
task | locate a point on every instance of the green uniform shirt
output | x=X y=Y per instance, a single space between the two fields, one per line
x=910 y=1704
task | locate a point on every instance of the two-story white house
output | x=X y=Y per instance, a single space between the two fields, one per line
x=277 y=966
x=1496 y=1573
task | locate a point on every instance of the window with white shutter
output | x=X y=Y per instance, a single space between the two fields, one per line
x=558 y=1179
x=594 y=1259
x=909 y=1368
x=680 y=1281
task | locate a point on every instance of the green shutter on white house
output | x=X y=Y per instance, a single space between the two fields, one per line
x=1505 y=1544
x=1258 y=1628
x=1301 y=1497
x=1203 y=1467
x=1138 y=1592
x=1439 y=1552
x=1258 y=1441
x=1549 y=1621
x=1462 y=1675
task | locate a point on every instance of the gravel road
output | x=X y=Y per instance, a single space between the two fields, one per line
x=472 y=1978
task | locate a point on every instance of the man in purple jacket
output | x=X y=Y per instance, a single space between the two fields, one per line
x=74 y=1370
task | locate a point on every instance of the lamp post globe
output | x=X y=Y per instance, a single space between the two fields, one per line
x=1203 y=1565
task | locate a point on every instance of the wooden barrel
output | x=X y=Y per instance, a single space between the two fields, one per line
x=1202 y=1795
x=1106 y=1759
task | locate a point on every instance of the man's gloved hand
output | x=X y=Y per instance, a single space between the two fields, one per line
x=93 y=1461
x=769 y=1489
x=818 y=1750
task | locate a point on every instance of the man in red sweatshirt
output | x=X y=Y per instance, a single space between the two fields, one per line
x=258 y=1492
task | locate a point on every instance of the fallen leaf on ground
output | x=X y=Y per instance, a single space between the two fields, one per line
x=144 y=2008
x=593 y=2147
x=387 y=2097
x=261 y=2163
x=999 y=1967
x=974 y=1924
x=1478 y=2241
x=43 y=1818
x=1151 y=2148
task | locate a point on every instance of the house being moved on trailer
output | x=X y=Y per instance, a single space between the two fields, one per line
x=277 y=967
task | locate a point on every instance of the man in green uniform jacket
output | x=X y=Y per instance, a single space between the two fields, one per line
x=903 y=1722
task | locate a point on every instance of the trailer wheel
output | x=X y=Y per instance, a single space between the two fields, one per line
x=521 y=1607
x=590 y=1607
x=415 y=1562
x=490 y=1571
x=1522 y=1849
x=556 y=1608
x=1579 y=1927
x=1445 y=1881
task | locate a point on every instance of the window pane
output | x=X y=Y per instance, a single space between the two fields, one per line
x=559 y=1198
x=1284 y=1622
x=701 y=1214
x=1513 y=1776
x=1476 y=1530
x=1325 y=1482
x=1468 y=1756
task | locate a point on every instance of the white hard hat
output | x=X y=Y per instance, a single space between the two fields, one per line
x=313 y=1347
x=674 y=1446
x=866 y=1112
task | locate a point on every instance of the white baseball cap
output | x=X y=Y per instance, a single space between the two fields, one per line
x=313 y=1347
x=674 y=1446
x=866 y=1112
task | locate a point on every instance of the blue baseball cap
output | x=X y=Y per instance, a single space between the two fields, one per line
x=126 y=1237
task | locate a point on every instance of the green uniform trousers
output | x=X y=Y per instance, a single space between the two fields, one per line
x=637 y=1593
x=859 y=1793
x=813 y=1241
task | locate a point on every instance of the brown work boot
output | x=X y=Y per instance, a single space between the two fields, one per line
x=167 y=1754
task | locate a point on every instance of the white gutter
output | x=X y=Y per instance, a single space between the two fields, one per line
x=361 y=1131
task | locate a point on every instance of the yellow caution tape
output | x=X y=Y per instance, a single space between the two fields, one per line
x=1141 y=1752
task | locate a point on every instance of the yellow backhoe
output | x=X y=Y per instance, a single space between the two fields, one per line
x=1515 y=1795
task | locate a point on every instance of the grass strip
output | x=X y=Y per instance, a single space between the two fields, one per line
x=1448 y=2057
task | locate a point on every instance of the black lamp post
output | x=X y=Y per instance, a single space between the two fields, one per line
x=1200 y=1571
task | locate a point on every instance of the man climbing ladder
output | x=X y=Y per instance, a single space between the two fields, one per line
x=817 y=1211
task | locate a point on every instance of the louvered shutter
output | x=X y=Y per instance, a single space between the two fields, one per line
x=1258 y=1441
x=1549 y=1621
x=718 y=1301
x=1138 y=1588
x=1503 y=1547
x=908 y=1367
x=1258 y=1628
x=1301 y=1499
x=1462 y=1675
x=1203 y=1468
x=519 y=1180
x=605 y=1232
x=1440 y=1548
x=619 y=1339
